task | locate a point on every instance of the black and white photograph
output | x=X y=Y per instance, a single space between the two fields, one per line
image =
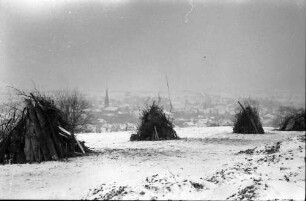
x=152 y=99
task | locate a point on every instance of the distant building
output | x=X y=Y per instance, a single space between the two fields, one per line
x=111 y=109
x=190 y=123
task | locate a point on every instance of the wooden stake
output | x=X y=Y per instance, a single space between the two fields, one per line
x=80 y=146
x=37 y=131
x=156 y=134
x=68 y=133
x=46 y=133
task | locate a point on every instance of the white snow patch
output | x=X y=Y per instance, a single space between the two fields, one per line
x=207 y=163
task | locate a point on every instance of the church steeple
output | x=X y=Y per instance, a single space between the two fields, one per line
x=106 y=101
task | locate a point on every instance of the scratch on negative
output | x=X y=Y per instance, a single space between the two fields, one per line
x=189 y=12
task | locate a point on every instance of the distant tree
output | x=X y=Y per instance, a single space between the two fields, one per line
x=10 y=109
x=75 y=107
x=291 y=119
x=8 y=118
x=283 y=113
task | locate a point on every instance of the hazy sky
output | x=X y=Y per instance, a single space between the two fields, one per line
x=131 y=44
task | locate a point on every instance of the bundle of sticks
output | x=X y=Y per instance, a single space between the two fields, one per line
x=37 y=133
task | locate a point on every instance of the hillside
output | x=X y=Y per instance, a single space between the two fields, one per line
x=207 y=163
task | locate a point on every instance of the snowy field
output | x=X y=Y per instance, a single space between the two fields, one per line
x=207 y=163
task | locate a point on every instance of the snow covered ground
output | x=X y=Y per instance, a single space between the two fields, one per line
x=207 y=163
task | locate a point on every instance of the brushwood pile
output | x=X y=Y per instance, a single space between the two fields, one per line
x=38 y=132
x=294 y=122
x=154 y=125
x=247 y=120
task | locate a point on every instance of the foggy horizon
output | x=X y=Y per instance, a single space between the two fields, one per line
x=131 y=45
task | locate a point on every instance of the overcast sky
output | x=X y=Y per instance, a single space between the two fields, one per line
x=132 y=44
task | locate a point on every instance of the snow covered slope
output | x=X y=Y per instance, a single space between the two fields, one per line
x=207 y=163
